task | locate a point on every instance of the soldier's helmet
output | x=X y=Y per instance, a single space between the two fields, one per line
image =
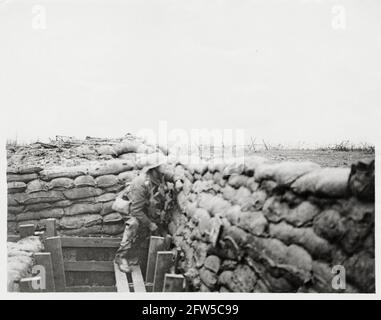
x=156 y=161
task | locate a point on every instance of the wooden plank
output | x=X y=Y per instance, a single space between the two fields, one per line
x=174 y=282
x=164 y=262
x=90 y=242
x=26 y=284
x=137 y=279
x=53 y=245
x=91 y=289
x=13 y=238
x=26 y=230
x=120 y=280
x=167 y=242
x=89 y=266
x=156 y=244
x=44 y=259
x=149 y=286
x=51 y=227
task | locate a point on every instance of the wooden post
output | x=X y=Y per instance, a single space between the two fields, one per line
x=156 y=244
x=167 y=242
x=44 y=259
x=164 y=262
x=120 y=280
x=51 y=229
x=137 y=279
x=174 y=283
x=53 y=245
x=26 y=230
x=26 y=284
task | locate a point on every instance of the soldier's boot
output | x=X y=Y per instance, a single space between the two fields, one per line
x=123 y=266
x=127 y=240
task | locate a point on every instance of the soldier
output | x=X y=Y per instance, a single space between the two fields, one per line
x=146 y=217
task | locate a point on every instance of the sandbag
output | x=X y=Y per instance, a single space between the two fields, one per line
x=14 y=187
x=106 y=150
x=292 y=259
x=62 y=172
x=237 y=181
x=21 y=177
x=253 y=222
x=201 y=186
x=212 y=263
x=36 y=186
x=106 y=207
x=82 y=208
x=79 y=221
x=38 y=197
x=126 y=147
x=38 y=206
x=112 y=218
x=37 y=215
x=56 y=213
x=113 y=228
x=244 y=198
x=229 y=193
x=83 y=231
x=15 y=210
x=331 y=182
x=61 y=183
x=142 y=148
x=85 y=192
x=235 y=168
x=110 y=167
x=252 y=162
x=24 y=169
x=284 y=173
x=84 y=181
x=105 y=197
x=106 y=181
x=114 y=189
x=318 y=247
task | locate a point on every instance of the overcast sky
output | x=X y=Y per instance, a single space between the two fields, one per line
x=284 y=71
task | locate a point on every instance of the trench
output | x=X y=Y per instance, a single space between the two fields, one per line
x=252 y=226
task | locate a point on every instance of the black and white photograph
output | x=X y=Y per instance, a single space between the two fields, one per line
x=174 y=149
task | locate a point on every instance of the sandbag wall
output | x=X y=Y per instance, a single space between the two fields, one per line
x=20 y=260
x=242 y=226
x=285 y=227
x=79 y=197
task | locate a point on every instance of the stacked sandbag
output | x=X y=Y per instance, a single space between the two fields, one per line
x=242 y=225
x=283 y=225
x=79 y=197
x=20 y=260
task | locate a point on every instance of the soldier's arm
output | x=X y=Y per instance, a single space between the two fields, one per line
x=139 y=199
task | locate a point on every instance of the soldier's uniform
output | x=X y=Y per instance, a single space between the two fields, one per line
x=147 y=199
